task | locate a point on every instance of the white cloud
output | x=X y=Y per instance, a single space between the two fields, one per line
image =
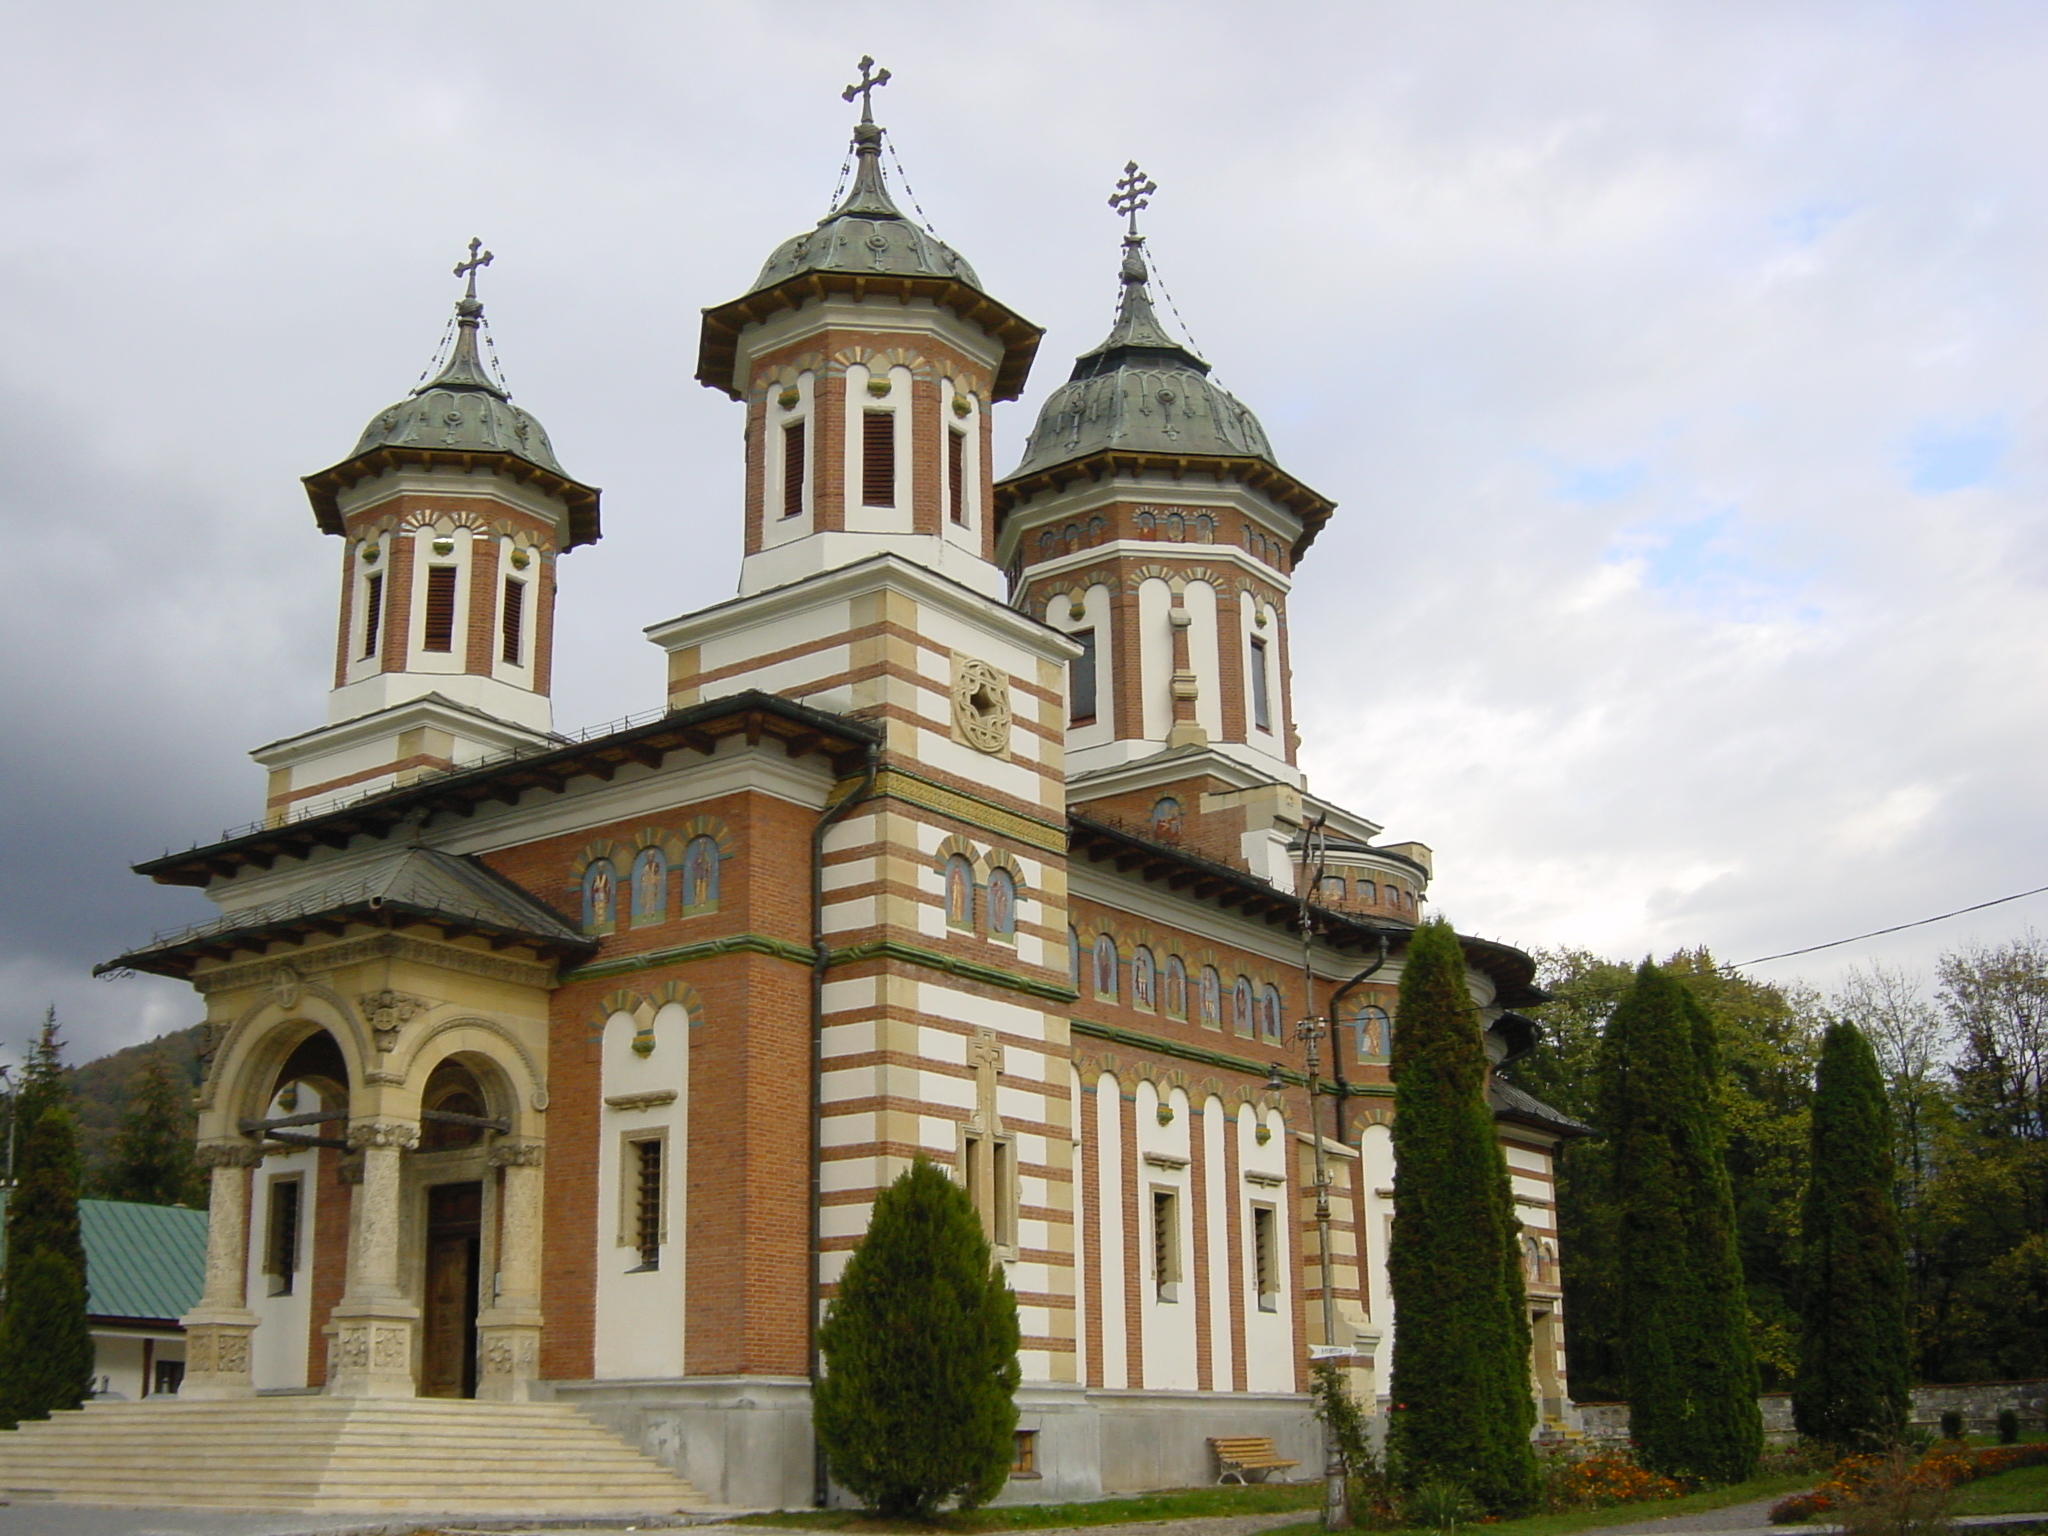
x=1621 y=334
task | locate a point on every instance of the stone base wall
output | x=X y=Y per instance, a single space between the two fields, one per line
x=745 y=1441
x=1979 y=1402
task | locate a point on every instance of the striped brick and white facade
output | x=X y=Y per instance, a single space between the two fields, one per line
x=608 y=1045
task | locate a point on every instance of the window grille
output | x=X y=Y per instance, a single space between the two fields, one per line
x=649 y=1207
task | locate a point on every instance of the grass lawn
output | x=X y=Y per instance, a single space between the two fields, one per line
x=1774 y=1486
x=1173 y=1504
x=2020 y=1491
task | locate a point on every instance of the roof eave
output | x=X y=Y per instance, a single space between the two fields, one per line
x=700 y=727
x=324 y=488
x=1260 y=474
x=718 y=343
x=180 y=959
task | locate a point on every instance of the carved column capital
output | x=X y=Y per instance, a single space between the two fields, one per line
x=366 y=1134
x=228 y=1154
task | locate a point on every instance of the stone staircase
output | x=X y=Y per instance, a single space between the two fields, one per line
x=420 y=1456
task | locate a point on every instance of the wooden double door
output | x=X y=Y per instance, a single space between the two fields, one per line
x=448 y=1326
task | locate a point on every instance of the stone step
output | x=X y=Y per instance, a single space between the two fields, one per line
x=314 y=1454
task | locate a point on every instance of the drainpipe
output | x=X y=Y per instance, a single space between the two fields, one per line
x=821 y=961
x=1336 y=1054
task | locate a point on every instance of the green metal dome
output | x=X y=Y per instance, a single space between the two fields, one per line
x=461 y=409
x=867 y=233
x=1140 y=392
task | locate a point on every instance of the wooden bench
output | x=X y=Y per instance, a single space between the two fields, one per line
x=1237 y=1455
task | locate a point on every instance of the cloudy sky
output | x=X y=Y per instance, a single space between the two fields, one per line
x=1678 y=370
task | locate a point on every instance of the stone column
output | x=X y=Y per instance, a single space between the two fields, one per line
x=508 y=1327
x=373 y=1323
x=217 y=1330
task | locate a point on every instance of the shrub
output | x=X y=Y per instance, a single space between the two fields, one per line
x=1951 y=1425
x=1898 y=1496
x=917 y=1403
x=2008 y=1426
x=1368 y=1490
x=1437 y=1504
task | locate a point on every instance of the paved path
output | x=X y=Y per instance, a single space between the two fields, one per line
x=40 y=1519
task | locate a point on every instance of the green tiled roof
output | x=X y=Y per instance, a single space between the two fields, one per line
x=141 y=1261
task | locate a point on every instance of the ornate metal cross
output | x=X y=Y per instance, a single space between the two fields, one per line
x=866 y=89
x=1134 y=190
x=468 y=268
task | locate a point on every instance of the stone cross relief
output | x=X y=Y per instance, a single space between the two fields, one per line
x=388 y=1012
x=985 y=1055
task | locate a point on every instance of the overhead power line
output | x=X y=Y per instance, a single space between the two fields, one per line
x=1895 y=928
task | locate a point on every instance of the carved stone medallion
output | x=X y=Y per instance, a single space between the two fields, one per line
x=981 y=705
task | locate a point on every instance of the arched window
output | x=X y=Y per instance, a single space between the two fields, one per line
x=1174 y=526
x=650 y=887
x=1375 y=1033
x=1145 y=521
x=700 y=875
x=1176 y=988
x=1142 y=979
x=1166 y=820
x=1367 y=891
x=451 y=1089
x=1048 y=541
x=1002 y=904
x=1332 y=888
x=600 y=897
x=1205 y=527
x=959 y=892
x=1097 y=527
x=1269 y=1006
x=1241 y=1007
x=1211 y=1001
x=1105 y=966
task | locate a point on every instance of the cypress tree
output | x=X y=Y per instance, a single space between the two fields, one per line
x=917 y=1403
x=152 y=1152
x=1685 y=1345
x=1460 y=1384
x=1854 y=1386
x=46 y=1349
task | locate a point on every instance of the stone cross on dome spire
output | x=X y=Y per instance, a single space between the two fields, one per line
x=867 y=88
x=1134 y=190
x=468 y=268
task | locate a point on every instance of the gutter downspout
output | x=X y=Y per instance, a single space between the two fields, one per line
x=821 y=961
x=1336 y=1054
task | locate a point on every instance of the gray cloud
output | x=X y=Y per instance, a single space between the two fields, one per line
x=1676 y=369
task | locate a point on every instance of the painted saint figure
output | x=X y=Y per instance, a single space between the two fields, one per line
x=650 y=886
x=1002 y=904
x=1176 y=988
x=1141 y=978
x=599 y=891
x=959 y=893
x=700 y=874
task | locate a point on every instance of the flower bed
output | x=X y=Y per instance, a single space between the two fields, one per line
x=1599 y=1480
x=1947 y=1464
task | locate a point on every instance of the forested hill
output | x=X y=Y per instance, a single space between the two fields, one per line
x=100 y=1092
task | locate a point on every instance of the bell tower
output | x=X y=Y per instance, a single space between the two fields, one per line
x=453 y=512
x=1150 y=522
x=868 y=356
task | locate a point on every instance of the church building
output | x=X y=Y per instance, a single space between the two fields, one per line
x=567 y=1067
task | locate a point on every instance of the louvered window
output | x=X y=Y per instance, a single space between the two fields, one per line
x=878 y=459
x=956 y=475
x=373 y=612
x=1262 y=698
x=513 y=625
x=440 y=628
x=648 y=1211
x=1265 y=1259
x=1081 y=679
x=793 y=469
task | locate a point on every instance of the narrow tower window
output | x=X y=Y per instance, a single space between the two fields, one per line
x=1265 y=1260
x=514 y=625
x=878 y=459
x=282 y=1261
x=1081 y=679
x=793 y=469
x=647 y=1235
x=956 y=475
x=440 y=635
x=1262 y=700
x=373 y=612
x=1166 y=1245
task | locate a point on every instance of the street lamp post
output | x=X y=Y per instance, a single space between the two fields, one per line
x=1310 y=1031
